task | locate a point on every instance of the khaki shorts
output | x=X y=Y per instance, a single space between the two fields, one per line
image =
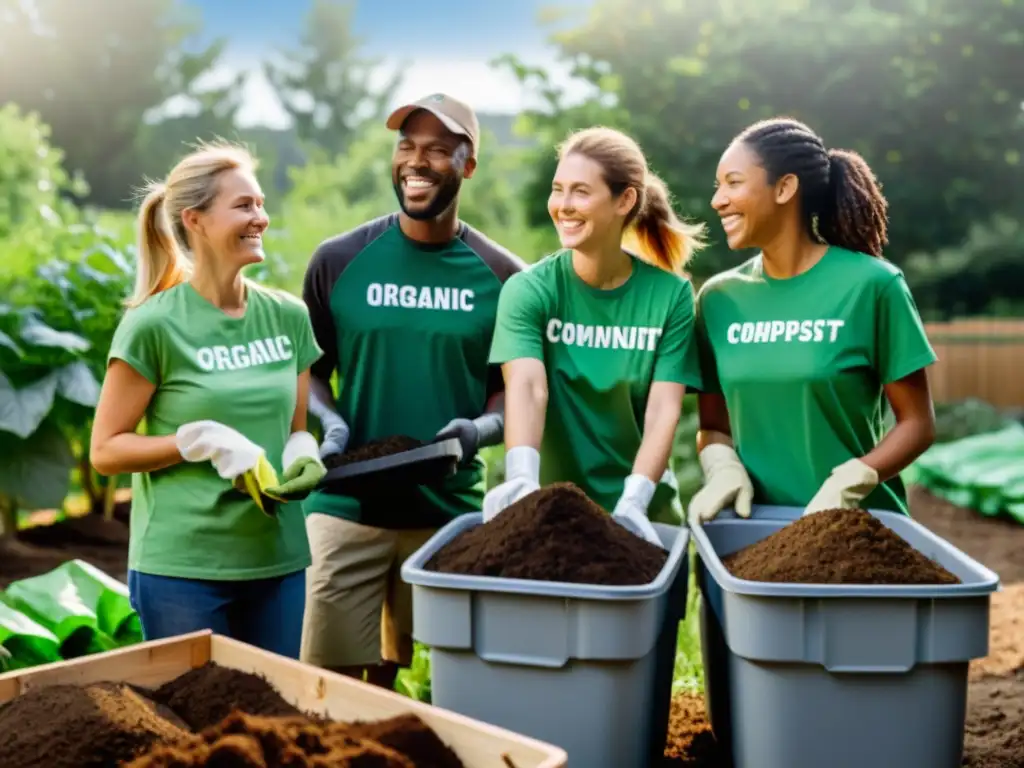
x=358 y=609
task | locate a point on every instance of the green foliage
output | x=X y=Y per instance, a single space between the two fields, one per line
x=32 y=180
x=325 y=84
x=96 y=71
x=55 y=330
x=927 y=91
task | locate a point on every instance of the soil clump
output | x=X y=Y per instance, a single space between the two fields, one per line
x=248 y=741
x=72 y=726
x=691 y=743
x=554 y=534
x=204 y=696
x=836 y=546
x=375 y=449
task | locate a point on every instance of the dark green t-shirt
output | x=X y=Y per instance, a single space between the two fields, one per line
x=602 y=350
x=802 y=363
x=407 y=326
x=187 y=521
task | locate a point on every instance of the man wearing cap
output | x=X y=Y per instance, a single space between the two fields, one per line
x=404 y=308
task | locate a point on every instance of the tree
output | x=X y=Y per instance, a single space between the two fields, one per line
x=325 y=84
x=928 y=90
x=93 y=71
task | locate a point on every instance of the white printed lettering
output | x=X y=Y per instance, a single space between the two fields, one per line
x=420 y=297
x=785 y=331
x=239 y=357
x=602 y=336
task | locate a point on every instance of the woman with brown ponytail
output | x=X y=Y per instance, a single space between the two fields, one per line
x=596 y=340
x=218 y=367
x=804 y=343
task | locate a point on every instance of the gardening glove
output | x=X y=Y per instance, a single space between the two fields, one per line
x=725 y=482
x=336 y=434
x=303 y=469
x=233 y=455
x=848 y=484
x=474 y=434
x=522 y=477
x=637 y=493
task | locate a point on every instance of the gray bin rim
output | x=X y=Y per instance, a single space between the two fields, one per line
x=413 y=571
x=976 y=579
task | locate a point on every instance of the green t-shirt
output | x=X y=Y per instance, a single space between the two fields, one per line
x=407 y=327
x=186 y=520
x=602 y=350
x=802 y=363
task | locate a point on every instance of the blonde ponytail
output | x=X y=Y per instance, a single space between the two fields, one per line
x=163 y=247
x=658 y=235
x=161 y=264
x=652 y=229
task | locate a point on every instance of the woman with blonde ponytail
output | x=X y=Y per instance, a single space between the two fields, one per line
x=596 y=340
x=219 y=369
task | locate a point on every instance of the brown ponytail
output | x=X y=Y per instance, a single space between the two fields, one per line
x=662 y=239
x=652 y=228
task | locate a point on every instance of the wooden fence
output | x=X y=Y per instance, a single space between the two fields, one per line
x=978 y=358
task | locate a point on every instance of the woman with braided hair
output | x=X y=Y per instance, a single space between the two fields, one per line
x=803 y=344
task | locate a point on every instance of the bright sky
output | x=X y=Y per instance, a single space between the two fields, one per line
x=448 y=45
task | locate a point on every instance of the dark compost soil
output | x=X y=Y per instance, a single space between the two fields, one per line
x=204 y=696
x=994 y=733
x=375 y=449
x=70 y=726
x=836 y=546
x=40 y=549
x=210 y=716
x=554 y=534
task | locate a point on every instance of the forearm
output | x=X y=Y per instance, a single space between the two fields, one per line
x=656 y=446
x=129 y=452
x=525 y=409
x=900 y=447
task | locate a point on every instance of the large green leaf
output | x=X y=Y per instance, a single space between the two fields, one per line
x=76 y=383
x=37 y=470
x=34 y=331
x=22 y=410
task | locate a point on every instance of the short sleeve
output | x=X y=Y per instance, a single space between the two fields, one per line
x=307 y=349
x=902 y=343
x=705 y=351
x=137 y=341
x=519 y=325
x=677 y=356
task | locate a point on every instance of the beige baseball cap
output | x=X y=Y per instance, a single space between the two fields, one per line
x=457 y=116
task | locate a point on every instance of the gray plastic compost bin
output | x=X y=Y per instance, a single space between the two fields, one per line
x=587 y=668
x=844 y=676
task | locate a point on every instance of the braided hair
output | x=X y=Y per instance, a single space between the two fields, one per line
x=841 y=201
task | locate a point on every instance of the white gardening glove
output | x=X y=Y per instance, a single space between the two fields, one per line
x=522 y=477
x=637 y=493
x=725 y=482
x=231 y=453
x=845 y=488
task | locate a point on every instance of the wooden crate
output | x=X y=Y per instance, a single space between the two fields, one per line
x=309 y=688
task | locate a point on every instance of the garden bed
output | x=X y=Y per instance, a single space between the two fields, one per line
x=203 y=699
x=994 y=736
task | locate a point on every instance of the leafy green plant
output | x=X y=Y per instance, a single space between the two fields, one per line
x=55 y=330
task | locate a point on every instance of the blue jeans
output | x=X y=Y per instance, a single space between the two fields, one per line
x=266 y=613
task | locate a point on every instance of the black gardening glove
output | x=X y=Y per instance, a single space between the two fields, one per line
x=474 y=434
